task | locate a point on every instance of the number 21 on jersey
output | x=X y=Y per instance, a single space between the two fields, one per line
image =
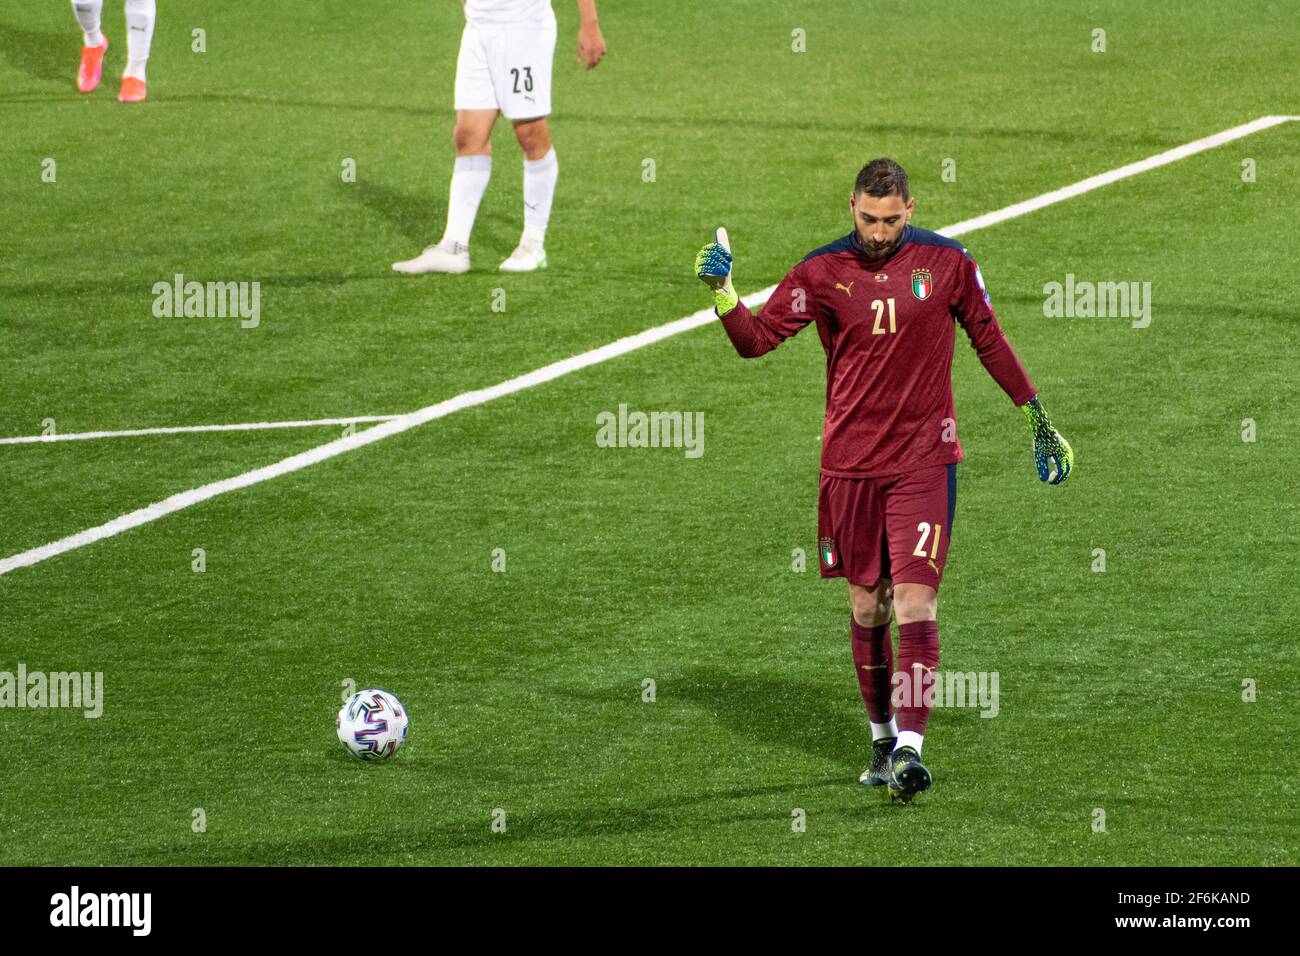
x=879 y=305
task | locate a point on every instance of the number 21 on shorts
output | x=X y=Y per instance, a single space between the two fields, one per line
x=925 y=529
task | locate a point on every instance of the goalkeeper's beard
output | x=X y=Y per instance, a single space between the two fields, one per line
x=878 y=250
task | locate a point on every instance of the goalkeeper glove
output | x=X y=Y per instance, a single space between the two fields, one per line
x=713 y=266
x=1050 y=448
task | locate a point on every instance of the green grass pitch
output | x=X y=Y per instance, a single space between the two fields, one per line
x=1120 y=691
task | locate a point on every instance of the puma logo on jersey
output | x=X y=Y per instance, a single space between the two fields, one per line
x=848 y=289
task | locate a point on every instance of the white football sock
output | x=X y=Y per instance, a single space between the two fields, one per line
x=884 y=731
x=539 y=190
x=139 y=36
x=469 y=179
x=87 y=14
x=910 y=738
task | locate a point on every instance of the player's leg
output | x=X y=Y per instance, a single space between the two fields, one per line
x=873 y=659
x=476 y=112
x=851 y=544
x=916 y=607
x=541 y=170
x=871 y=603
x=472 y=135
x=94 y=43
x=522 y=67
x=534 y=138
x=470 y=174
x=920 y=507
x=915 y=603
x=140 y=15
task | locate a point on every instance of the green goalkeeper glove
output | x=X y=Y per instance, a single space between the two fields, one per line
x=1050 y=448
x=713 y=266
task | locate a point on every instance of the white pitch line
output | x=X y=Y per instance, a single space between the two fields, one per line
x=555 y=370
x=185 y=429
x=1105 y=179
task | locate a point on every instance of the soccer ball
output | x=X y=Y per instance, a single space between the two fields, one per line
x=372 y=724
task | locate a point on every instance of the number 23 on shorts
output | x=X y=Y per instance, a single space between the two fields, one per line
x=527 y=74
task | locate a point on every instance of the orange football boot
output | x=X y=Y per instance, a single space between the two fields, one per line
x=133 y=90
x=92 y=66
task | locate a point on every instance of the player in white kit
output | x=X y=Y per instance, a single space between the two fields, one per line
x=504 y=67
x=140 y=16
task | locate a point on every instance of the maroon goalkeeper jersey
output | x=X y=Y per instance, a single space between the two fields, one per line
x=888 y=330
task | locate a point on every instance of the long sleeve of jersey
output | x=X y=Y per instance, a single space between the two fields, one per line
x=971 y=308
x=787 y=310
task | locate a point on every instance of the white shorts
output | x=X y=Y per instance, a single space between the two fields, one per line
x=506 y=69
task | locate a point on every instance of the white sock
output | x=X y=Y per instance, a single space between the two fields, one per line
x=884 y=731
x=910 y=738
x=539 y=190
x=87 y=14
x=139 y=35
x=469 y=179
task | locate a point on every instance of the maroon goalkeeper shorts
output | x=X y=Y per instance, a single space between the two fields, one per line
x=897 y=527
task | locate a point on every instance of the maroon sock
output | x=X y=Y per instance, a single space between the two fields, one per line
x=918 y=644
x=873 y=659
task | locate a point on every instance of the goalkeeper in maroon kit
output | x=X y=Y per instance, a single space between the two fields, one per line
x=885 y=298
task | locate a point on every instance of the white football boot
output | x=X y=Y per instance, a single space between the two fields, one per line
x=445 y=256
x=528 y=256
